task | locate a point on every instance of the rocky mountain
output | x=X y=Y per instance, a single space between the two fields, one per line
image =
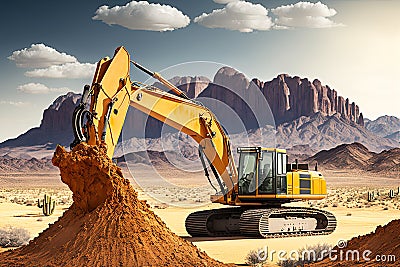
x=154 y=158
x=10 y=164
x=386 y=161
x=395 y=136
x=385 y=126
x=355 y=156
x=306 y=113
x=55 y=127
x=293 y=97
x=302 y=137
x=232 y=94
x=325 y=132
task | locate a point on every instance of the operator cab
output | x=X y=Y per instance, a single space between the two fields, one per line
x=262 y=171
x=264 y=176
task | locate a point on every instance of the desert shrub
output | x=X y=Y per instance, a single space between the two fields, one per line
x=287 y=263
x=13 y=237
x=307 y=255
x=253 y=258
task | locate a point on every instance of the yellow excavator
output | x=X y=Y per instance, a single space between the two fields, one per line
x=255 y=190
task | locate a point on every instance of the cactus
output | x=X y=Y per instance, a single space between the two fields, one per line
x=371 y=196
x=391 y=193
x=47 y=204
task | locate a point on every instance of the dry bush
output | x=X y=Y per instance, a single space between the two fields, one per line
x=321 y=252
x=13 y=237
x=253 y=258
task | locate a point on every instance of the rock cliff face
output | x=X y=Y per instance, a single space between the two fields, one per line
x=232 y=89
x=289 y=98
x=58 y=116
x=293 y=97
x=55 y=127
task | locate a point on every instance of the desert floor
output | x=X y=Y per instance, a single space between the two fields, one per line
x=347 y=199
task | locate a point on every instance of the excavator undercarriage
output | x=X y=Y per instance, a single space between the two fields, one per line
x=260 y=222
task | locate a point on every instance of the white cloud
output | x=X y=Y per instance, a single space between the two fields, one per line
x=68 y=71
x=39 y=56
x=224 y=1
x=143 y=16
x=38 y=88
x=13 y=103
x=50 y=63
x=238 y=15
x=306 y=15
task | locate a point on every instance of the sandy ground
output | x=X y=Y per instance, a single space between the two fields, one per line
x=346 y=199
x=362 y=221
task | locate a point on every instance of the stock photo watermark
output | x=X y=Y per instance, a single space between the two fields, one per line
x=321 y=252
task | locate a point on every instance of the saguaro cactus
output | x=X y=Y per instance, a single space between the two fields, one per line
x=371 y=196
x=47 y=204
x=391 y=193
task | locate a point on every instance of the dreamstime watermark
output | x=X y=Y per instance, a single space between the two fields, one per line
x=320 y=252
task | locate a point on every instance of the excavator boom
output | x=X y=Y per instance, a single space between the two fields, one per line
x=112 y=92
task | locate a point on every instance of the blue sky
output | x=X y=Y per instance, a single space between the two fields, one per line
x=353 y=46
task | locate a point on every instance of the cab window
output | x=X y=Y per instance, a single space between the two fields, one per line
x=265 y=174
x=247 y=173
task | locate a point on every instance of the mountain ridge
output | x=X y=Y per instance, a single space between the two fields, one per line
x=356 y=156
x=385 y=126
x=55 y=127
x=318 y=130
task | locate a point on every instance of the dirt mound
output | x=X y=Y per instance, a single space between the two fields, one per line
x=107 y=225
x=382 y=243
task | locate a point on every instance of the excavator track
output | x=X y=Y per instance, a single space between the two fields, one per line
x=266 y=223
x=216 y=222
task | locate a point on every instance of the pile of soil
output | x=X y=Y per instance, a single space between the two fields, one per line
x=383 y=242
x=107 y=225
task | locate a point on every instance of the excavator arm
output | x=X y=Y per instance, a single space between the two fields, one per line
x=112 y=92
